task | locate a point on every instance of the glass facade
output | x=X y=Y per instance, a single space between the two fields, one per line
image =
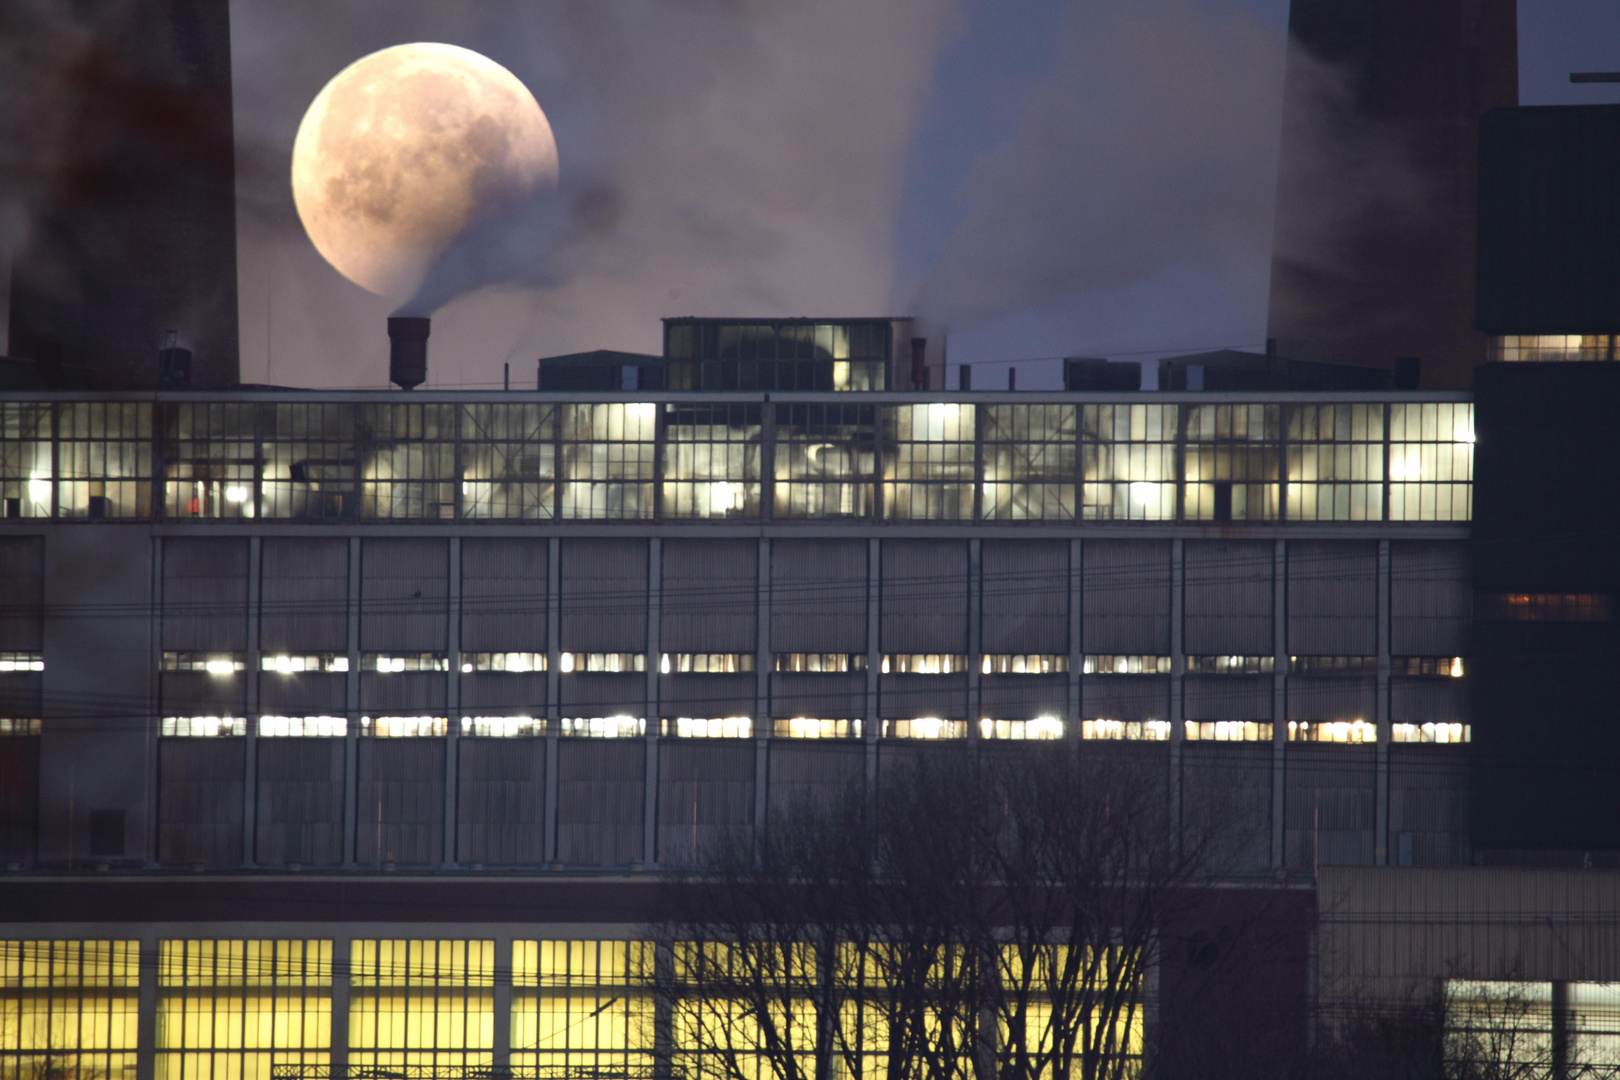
x=69 y=1008
x=582 y=1007
x=421 y=1003
x=640 y=461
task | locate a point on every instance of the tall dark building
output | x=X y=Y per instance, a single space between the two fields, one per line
x=137 y=236
x=1376 y=201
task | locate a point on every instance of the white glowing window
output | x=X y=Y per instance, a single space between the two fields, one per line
x=1024 y=663
x=1146 y=730
x=1334 y=731
x=21 y=661
x=1432 y=733
x=604 y=727
x=294 y=664
x=718 y=727
x=820 y=662
x=303 y=727
x=503 y=661
x=1042 y=727
x=924 y=664
x=925 y=727
x=19 y=725
x=1105 y=664
x=404 y=727
x=220 y=664
x=806 y=727
x=1231 y=665
x=202 y=727
x=1228 y=731
x=398 y=663
x=706 y=663
x=502 y=727
x=601 y=662
x=1443 y=666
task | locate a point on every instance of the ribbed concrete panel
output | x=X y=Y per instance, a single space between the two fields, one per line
x=22 y=696
x=205 y=588
x=1228 y=598
x=1428 y=701
x=1125 y=606
x=1332 y=697
x=1428 y=806
x=200 y=801
x=1332 y=598
x=503 y=595
x=900 y=761
x=404 y=595
x=1330 y=809
x=22 y=593
x=300 y=802
x=604 y=595
x=406 y=693
x=1430 y=598
x=196 y=693
x=1125 y=697
x=818 y=596
x=501 y=805
x=710 y=595
x=811 y=776
x=925 y=596
x=304 y=595
x=1025 y=596
x=705 y=799
x=19 y=799
x=706 y=696
x=315 y=693
x=827 y=697
x=604 y=695
x=1146 y=764
x=1023 y=697
x=1226 y=804
x=399 y=812
x=600 y=786
x=1227 y=697
x=904 y=697
x=504 y=693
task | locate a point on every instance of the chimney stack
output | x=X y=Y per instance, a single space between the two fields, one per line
x=407 y=350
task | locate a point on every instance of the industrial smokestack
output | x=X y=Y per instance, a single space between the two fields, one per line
x=407 y=350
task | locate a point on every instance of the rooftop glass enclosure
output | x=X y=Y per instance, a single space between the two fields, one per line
x=1038 y=458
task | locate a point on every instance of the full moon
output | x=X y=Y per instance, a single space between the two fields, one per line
x=403 y=148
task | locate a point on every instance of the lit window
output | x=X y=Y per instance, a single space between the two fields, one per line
x=805 y=727
x=925 y=727
x=1335 y=462
x=284 y=664
x=428 y=1004
x=1448 y=666
x=21 y=661
x=706 y=663
x=1148 y=730
x=1024 y=663
x=1431 y=733
x=1029 y=461
x=1231 y=462
x=924 y=663
x=212 y=663
x=407 y=460
x=608 y=454
x=604 y=727
x=1104 y=664
x=1042 y=727
x=503 y=661
x=303 y=727
x=404 y=727
x=202 y=727
x=1228 y=731
x=396 y=663
x=70 y=1007
x=1333 y=731
x=711 y=461
x=722 y=727
x=1128 y=462
x=503 y=727
x=1231 y=665
x=826 y=458
x=820 y=662
x=232 y=1008
x=19 y=725
x=1543 y=607
x=1333 y=665
x=508 y=460
x=1431 y=461
x=929 y=462
x=582 y=1008
x=602 y=662
x=1556 y=348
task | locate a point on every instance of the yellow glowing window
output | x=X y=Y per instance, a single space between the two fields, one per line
x=581 y=1005
x=422 y=1003
x=69 y=1007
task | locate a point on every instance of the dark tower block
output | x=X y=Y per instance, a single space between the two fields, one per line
x=135 y=233
x=1374 y=255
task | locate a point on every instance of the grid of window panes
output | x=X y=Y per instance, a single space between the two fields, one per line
x=69 y=1008
x=26 y=470
x=408 y=461
x=584 y=1007
x=1028 y=462
x=608 y=460
x=210 y=460
x=1128 y=462
x=826 y=460
x=718 y=1035
x=1336 y=462
x=104 y=459
x=309 y=458
x=928 y=462
x=787 y=355
x=1231 y=462
x=1431 y=461
x=508 y=461
x=711 y=461
x=421 y=1003
x=1561 y=348
x=230 y=1010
